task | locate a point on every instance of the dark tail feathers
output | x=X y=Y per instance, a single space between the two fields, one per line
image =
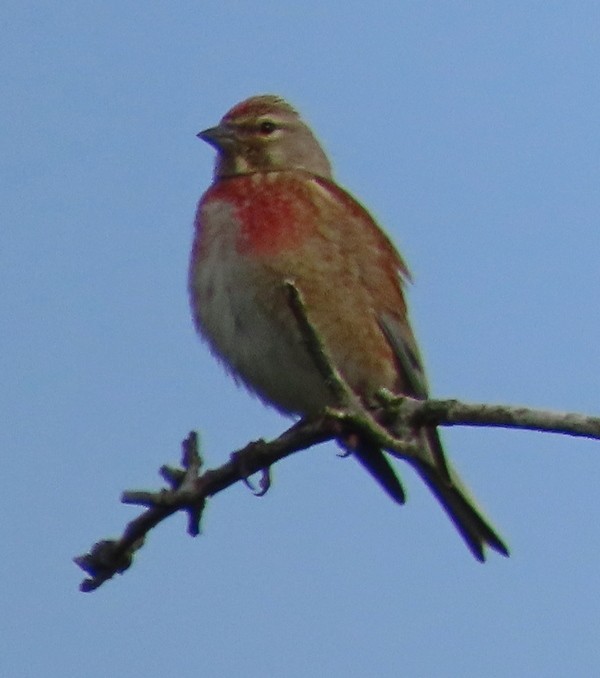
x=473 y=527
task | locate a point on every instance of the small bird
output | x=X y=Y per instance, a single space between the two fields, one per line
x=272 y=214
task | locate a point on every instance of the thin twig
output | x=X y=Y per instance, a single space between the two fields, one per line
x=343 y=396
x=458 y=413
x=109 y=557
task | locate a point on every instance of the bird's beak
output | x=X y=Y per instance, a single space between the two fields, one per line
x=220 y=137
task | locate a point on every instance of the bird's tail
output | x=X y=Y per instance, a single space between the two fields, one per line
x=375 y=462
x=452 y=494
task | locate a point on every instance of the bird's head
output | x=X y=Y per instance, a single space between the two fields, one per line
x=262 y=134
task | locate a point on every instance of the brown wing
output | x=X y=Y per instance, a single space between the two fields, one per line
x=384 y=272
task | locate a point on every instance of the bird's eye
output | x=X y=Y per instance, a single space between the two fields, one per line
x=267 y=127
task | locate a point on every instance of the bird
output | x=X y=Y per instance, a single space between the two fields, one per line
x=274 y=213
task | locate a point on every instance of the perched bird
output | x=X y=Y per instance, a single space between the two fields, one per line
x=274 y=213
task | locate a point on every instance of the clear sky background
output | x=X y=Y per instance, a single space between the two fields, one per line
x=472 y=132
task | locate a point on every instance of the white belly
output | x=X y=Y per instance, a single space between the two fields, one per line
x=240 y=308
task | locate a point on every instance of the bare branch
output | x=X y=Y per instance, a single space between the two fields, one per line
x=457 y=413
x=109 y=557
x=189 y=489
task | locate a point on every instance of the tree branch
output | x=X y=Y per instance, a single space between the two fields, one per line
x=110 y=557
x=456 y=413
x=189 y=488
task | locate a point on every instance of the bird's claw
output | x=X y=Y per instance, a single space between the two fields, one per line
x=245 y=473
x=263 y=485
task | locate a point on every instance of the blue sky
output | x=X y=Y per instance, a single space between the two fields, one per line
x=471 y=132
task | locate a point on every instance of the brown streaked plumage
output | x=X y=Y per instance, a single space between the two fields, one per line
x=274 y=213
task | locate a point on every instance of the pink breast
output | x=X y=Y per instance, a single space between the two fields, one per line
x=274 y=212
